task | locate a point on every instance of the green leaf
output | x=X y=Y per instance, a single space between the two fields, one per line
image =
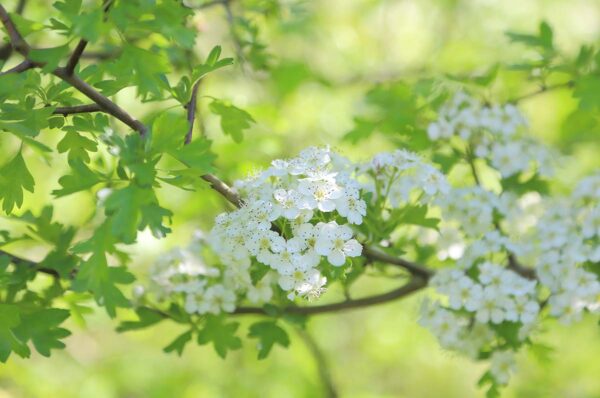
x=10 y=318
x=178 y=345
x=543 y=40
x=81 y=178
x=414 y=215
x=77 y=146
x=123 y=206
x=145 y=71
x=211 y=64
x=521 y=184
x=133 y=208
x=14 y=178
x=96 y=276
x=586 y=90
x=146 y=317
x=168 y=132
x=42 y=328
x=233 y=120
x=51 y=57
x=220 y=334
x=196 y=155
x=268 y=334
x=25 y=26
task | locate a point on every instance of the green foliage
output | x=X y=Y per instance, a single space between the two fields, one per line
x=146 y=317
x=19 y=325
x=233 y=119
x=96 y=276
x=14 y=178
x=268 y=334
x=77 y=147
x=221 y=334
x=178 y=345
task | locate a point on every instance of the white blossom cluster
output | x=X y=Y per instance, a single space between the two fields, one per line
x=566 y=238
x=183 y=274
x=557 y=238
x=399 y=175
x=312 y=200
x=514 y=259
x=494 y=132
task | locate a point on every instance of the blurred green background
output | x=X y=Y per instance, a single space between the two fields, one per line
x=325 y=55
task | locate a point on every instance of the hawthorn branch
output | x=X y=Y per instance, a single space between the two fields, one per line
x=513 y=263
x=544 y=89
x=415 y=269
x=22 y=67
x=321 y=361
x=6 y=50
x=74 y=59
x=21 y=261
x=103 y=102
x=16 y=40
x=191 y=112
x=71 y=110
x=411 y=287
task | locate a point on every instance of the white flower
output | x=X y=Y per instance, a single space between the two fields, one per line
x=491 y=307
x=288 y=203
x=261 y=292
x=502 y=365
x=307 y=282
x=352 y=207
x=263 y=243
x=335 y=241
x=288 y=258
x=214 y=300
x=320 y=193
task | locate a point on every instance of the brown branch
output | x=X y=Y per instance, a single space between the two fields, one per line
x=71 y=110
x=6 y=49
x=191 y=112
x=103 y=102
x=22 y=67
x=412 y=286
x=74 y=59
x=321 y=361
x=21 y=261
x=513 y=263
x=415 y=269
x=18 y=43
x=543 y=89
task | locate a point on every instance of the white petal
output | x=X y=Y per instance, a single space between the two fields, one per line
x=352 y=248
x=337 y=258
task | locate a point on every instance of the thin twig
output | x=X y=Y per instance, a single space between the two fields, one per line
x=415 y=269
x=74 y=59
x=103 y=102
x=16 y=40
x=322 y=367
x=71 y=110
x=513 y=263
x=6 y=49
x=22 y=67
x=412 y=286
x=543 y=89
x=18 y=260
x=191 y=112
